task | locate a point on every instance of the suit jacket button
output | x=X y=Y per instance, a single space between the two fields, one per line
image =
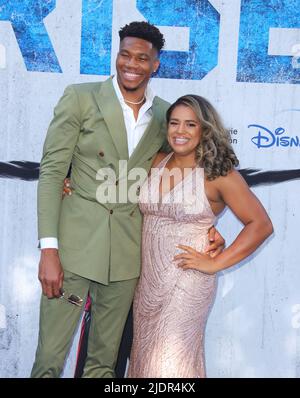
x=111 y=211
x=117 y=182
x=101 y=153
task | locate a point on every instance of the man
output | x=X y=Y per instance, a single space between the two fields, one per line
x=87 y=244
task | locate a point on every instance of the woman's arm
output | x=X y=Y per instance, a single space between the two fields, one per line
x=248 y=209
x=236 y=194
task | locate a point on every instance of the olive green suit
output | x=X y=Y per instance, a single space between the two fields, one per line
x=99 y=243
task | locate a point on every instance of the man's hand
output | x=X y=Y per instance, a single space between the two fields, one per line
x=216 y=243
x=51 y=274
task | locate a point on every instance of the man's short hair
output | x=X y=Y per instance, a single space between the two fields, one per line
x=143 y=30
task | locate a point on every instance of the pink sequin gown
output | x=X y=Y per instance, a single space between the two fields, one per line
x=171 y=305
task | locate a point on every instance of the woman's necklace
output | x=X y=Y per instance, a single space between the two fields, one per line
x=135 y=103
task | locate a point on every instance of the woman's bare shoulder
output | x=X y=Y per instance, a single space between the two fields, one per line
x=231 y=182
x=158 y=158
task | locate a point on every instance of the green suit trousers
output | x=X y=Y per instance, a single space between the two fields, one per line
x=59 y=320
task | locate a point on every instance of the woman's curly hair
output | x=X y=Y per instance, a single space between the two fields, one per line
x=214 y=152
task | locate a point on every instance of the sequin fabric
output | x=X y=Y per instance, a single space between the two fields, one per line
x=171 y=305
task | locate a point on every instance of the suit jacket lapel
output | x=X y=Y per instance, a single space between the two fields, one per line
x=113 y=115
x=149 y=135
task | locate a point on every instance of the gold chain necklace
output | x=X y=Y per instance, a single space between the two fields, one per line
x=135 y=103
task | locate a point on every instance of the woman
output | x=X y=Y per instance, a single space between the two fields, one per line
x=185 y=192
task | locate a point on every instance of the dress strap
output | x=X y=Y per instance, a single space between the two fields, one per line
x=164 y=161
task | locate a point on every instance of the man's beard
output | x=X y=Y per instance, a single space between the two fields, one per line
x=131 y=89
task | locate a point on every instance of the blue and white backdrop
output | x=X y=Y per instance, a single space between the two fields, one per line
x=244 y=56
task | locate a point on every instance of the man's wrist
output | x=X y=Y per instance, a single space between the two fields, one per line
x=49 y=252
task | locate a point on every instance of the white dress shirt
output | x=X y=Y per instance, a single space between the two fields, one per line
x=134 y=128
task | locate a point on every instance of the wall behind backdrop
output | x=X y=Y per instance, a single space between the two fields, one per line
x=244 y=56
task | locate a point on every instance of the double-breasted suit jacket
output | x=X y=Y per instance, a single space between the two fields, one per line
x=98 y=240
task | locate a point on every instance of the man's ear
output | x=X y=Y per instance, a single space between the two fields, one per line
x=156 y=65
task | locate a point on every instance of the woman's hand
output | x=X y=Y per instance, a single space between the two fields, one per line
x=67 y=190
x=192 y=259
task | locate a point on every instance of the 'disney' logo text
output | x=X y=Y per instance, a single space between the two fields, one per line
x=266 y=138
